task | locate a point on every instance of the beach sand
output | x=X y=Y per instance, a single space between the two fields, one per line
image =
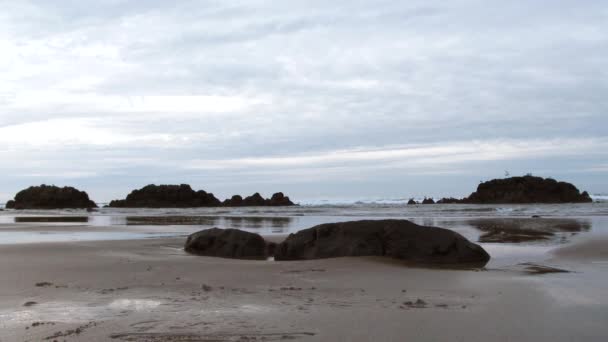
x=150 y=290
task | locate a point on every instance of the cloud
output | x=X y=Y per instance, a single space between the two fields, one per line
x=367 y=89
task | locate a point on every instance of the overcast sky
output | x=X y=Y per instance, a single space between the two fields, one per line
x=319 y=99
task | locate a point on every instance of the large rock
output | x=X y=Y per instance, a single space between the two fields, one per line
x=51 y=197
x=399 y=239
x=167 y=196
x=526 y=189
x=227 y=243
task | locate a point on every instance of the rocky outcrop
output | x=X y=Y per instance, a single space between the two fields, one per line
x=51 y=197
x=428 y=201
x=234 y=201
x=400 y=239
x=526 y=189
x=167 y=196
x=279 y=199
x=411 y=202
x=227 y=243
x=448 y=200
x=256 y=200
x=182 y=196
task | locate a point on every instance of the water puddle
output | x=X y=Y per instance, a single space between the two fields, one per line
x=21 y=237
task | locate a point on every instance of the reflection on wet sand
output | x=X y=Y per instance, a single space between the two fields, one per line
x=257 y=222
x=51 y=219
x=171 y=220
x=516 y=230
x=239 y=222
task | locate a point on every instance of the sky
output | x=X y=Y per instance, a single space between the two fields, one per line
x=318 y=99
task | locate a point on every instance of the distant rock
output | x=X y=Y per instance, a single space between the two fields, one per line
x=227 y=243
x=400 y=239
x=167 y=196
x=182 y=196
x=526 y=189
x=428 y=201
x=448 y=200
x=278 y=199
x=235 y=201
x=411 y=202
x=256 y=200
x=51 y=197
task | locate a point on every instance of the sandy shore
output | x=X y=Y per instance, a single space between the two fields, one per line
x=150 y=290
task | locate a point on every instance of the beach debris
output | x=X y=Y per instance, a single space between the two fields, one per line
x=418 y=304
x=30 y=303
x=77 y=331
x=106 y=291
x=533 y=268
x=291 y=288
x=37 y=324
x=44 y=284
x=206 y=287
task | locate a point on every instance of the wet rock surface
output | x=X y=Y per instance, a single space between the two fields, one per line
x=400 y=239
x=227 y=243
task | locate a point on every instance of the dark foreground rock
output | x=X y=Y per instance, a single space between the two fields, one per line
x=411 y=202
x=526 y=189
x=227 y=243
x=51 y=197
x=400 y=239
x=428 y=201
x=167 y=196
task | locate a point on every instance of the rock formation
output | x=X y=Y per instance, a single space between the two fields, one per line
x=227 y=243
x=399 y=239
x=167 y=196
x=526 y=189
x=51 y=197
x=256 y=200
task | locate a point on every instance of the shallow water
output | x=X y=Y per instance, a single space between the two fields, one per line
x=113 y=224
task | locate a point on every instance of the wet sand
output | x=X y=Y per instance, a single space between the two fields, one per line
x=150 y=290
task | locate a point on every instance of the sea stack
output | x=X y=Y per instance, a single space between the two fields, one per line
x=167 y=196
x=526 y=189
x=51 y=197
